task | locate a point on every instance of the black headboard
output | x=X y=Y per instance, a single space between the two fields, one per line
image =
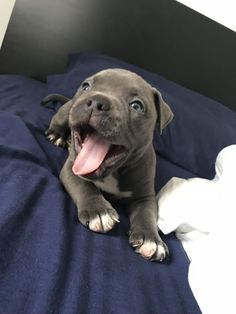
x=163 y=36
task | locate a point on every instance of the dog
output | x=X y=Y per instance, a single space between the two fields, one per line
x=110 y=122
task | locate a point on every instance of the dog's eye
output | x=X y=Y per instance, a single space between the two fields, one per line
x=137 y=105
x=85 y=86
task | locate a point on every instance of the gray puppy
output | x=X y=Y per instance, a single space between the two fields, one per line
x=111 y=120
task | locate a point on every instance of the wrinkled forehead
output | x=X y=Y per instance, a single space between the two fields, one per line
x=121 y=80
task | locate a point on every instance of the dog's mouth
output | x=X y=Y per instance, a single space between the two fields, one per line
x=94 y=153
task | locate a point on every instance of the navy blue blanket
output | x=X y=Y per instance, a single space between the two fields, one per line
x=49 y=263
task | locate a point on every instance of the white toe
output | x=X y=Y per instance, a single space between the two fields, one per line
x=51 y=137
x=59 y=142
x=107 y=222
x=101 y=224
x=95 y=224
x=147 y=249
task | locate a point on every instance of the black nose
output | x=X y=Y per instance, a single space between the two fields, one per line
x=98 y=105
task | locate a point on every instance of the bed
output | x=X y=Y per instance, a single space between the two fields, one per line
x=49 y=263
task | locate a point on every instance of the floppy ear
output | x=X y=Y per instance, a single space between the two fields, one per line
x=164 y=113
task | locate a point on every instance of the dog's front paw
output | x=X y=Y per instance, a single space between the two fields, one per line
x=99 y=220
x=60 y=140
x=149 y=245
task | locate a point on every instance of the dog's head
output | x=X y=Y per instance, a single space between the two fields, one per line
x=112 y=119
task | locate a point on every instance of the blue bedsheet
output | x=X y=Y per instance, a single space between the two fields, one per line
x=49 y=263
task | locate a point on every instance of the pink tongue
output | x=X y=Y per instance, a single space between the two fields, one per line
x=92 y=154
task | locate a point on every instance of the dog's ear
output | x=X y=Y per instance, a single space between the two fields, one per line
x=164 y=113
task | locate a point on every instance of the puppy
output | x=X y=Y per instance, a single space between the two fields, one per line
x=111 y=120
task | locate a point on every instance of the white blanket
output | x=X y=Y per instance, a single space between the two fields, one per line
x=203 y=215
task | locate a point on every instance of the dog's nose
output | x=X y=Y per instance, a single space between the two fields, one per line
x=98 y=105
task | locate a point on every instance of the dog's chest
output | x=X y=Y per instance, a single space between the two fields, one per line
x=111 y=186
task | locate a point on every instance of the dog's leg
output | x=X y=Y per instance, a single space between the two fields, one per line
x=143 y=234
x=94 y=211
x=59 y=132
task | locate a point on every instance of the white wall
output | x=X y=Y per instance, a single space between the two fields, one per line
x=221 y=11
x=6 y=7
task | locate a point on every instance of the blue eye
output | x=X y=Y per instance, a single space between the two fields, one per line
x=85 y=86
x=137 y=105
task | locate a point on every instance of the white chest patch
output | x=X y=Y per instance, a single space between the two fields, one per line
x=110 y=185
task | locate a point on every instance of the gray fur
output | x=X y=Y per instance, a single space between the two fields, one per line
x=105 y=106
